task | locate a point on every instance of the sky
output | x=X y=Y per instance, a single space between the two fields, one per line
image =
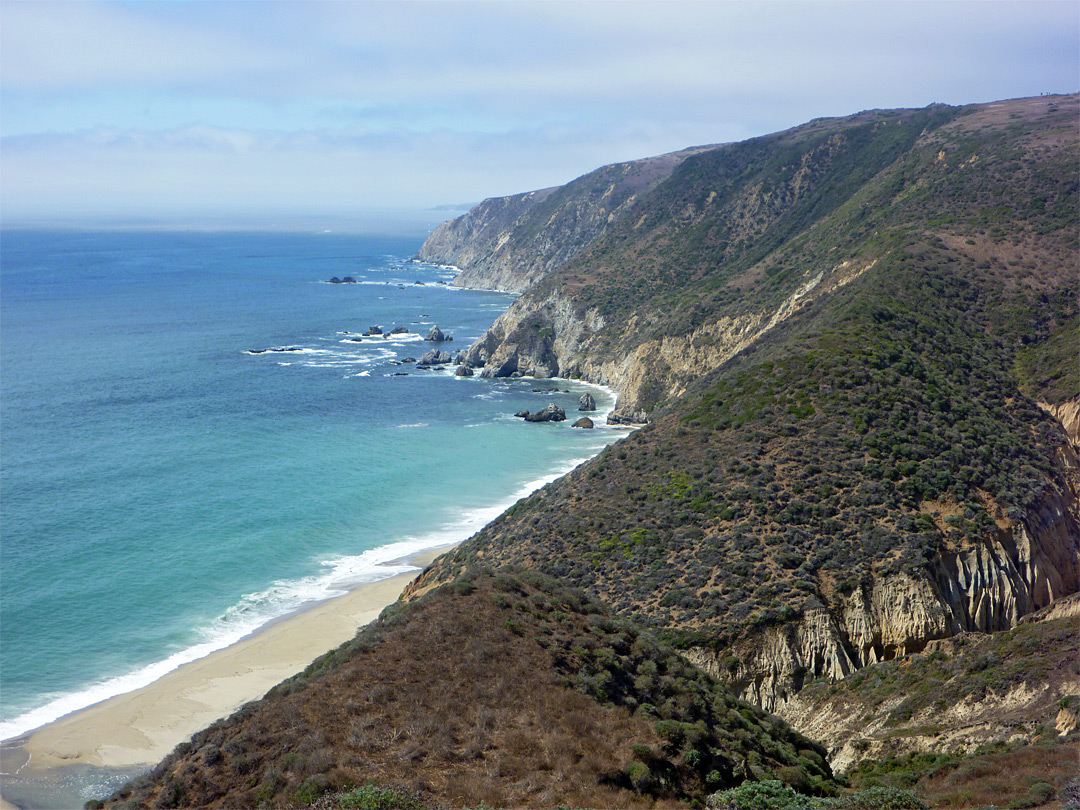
x=262 y=110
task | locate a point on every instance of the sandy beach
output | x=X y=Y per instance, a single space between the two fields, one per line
x=141 y=727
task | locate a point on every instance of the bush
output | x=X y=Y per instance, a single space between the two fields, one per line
x=875 y=798
x=768 y=795
x=312 y=788
x=372 y=797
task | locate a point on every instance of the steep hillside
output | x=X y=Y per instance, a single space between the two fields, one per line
x=509 y=243
x=740 y=237
x=967 y=692
x=508 y=690
x=848 y=457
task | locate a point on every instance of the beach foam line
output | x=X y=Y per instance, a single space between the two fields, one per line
x=285 y=597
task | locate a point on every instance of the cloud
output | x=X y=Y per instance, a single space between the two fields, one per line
x=443 y=101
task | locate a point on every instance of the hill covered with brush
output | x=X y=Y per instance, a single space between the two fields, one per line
x=851 y=349
x=855 y=346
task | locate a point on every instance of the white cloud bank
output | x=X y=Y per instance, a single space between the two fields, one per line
x=167 y=106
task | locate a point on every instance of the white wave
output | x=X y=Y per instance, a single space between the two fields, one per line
x=253 y=611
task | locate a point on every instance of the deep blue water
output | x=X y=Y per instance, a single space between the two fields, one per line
x=164 y=491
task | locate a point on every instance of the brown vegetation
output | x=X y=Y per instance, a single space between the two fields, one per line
x=488 y=690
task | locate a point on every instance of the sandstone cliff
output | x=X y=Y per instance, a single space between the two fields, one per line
x=960 y=693
x=984 y=587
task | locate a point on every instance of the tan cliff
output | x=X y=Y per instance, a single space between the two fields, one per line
x=551 y=336
x=985 y=587
x=927 y=710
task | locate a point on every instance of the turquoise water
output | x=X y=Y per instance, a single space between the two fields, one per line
x=168 y=484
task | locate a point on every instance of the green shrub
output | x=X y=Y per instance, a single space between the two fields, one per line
x=768 y=795
x=312 y=788
x=373 y=797
x=640 y=776
x=875 y=798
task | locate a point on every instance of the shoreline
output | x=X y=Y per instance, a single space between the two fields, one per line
x=132 y=731
x=141 y=727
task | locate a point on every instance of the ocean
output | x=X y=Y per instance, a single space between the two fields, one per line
x=196 y=439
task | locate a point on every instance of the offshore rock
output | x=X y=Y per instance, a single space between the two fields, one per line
x=587 y=403
x=584 y=422
x=436 y=335
x=552 y=413
x=463 y=371
x=435 y=357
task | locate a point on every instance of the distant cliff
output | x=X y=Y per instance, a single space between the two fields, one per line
x=510 y=243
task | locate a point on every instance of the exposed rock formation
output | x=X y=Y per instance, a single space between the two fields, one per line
x=984 y=587
x=509 y=243
x=586 y=403
x=436 y=335
x=434 y=357
x=552 y=413
x=584 y=422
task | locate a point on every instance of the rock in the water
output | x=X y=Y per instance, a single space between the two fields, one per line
x=463 y=371
x=408 y=360
x=435 y=334
x=587 y=403
x=398 y=330
x=348 y=280
x=584 y=422
x=435 y=358
x=552 y=413
x=335 y=280
x=522 y=414
x=461 y=357
x=372 y=330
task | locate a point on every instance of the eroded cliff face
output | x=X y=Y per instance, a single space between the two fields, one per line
x=552 y=336
x=510 y=243
x=929 y=707
x=1068 y=414
x=984 y=587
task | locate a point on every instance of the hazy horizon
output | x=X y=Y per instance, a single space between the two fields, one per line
x=242 y=112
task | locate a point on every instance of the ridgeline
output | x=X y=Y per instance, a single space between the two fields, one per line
x=852 y=349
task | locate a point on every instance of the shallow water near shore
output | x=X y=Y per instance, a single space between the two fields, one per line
x=198 y=440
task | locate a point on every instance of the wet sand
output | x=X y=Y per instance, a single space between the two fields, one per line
x=141 y=727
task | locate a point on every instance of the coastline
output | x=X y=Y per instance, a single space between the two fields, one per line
x=128 y=733
x=140 y=728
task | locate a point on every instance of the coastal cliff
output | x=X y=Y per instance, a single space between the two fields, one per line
x=509 y=243
x=852 y=500
x=813 y=323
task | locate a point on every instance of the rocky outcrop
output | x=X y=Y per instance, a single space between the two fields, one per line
x=550 y=335
x=984 y=587
x=1067 y=413
x=932 y=703
x=436 y=335
x=435 y=357
x=587 y=402
x=463 y=371
x=509 y=243
x=584 y=422
x=551 y=413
